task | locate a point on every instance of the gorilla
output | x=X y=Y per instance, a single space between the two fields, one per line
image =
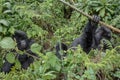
x=23 y=44
x=90 y=38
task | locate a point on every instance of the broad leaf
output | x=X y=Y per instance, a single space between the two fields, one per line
x=7 y=11
x=4 y=22
x=7 y=43
x=35 y=48
x=10 y=57
x=7 y=4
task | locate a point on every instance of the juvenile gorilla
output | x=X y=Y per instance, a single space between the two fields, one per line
x=90 y=37
x=23 y=44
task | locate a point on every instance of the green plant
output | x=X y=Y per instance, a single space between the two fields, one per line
x=44 y=21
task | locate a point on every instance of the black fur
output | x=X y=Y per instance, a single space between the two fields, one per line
x=67 y=12
x=23 y=44
x=86 y=39
x=59 y=47
x=91 y=36
x=101 y=33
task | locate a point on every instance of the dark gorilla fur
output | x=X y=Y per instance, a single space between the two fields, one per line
x=101 y=33
x=23 y=44
x=59 y=47
x=90 y=37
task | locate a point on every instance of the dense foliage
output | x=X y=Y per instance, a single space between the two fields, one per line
x=44 y=20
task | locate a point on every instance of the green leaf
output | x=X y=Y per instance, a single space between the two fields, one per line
x=117 y=74
x=1 y=28
x=110 y=10
x=0 y=37
x=7 y=11
x=35 y=48
x=11 y=30
x=4 y=22
x=53 y=61
x=7 y=4
x=98 y=8
x=10 y=57
x=17 y=64
x=49 y=75
x=102 y=12
x=7 y=43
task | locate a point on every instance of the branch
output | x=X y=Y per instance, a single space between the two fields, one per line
x=90 y=17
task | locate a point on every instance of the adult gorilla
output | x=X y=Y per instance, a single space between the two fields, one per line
x=90 y=38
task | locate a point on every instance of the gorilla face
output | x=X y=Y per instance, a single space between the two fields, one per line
x=22 y=44
x=100 y=34
x=106 y=33
x=21 y=40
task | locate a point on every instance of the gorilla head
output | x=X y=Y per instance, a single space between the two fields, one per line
x=21 y=39
x=103 y=32
x=100 y=34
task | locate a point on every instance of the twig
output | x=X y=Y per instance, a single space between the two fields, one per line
x=90 y=17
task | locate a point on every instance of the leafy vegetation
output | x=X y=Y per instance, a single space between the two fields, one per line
x=44 y=21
